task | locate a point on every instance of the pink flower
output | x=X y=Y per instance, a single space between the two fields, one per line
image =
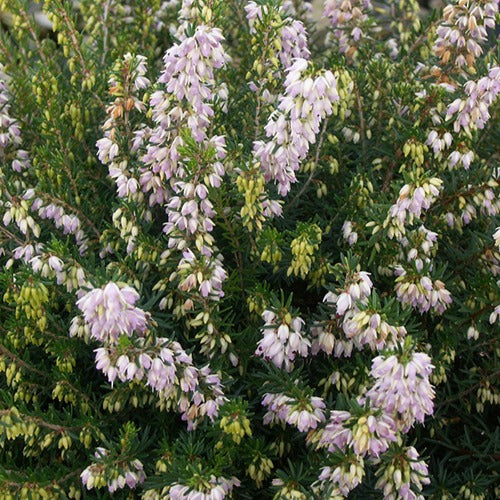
x=111 y=311
x=294 y=125
x=282 y=342
x=403 y=390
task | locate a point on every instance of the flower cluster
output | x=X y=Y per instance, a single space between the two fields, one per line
x=369 y=433
x=464 y=157
x=110 y=312
x=347 y=18
x=400 y=396
x=188 y=74
x=202 y=274
x=68 y=273
x=128 y=79
x=190 y=89
x=69 y=223
x=412 y=200
x=292 y=34
x=305 y=413
x=282 y=340
x=190 y=212
x=215 y=488
x=358 y=288
x=169 y=371
x=10 y=131
x=404 y=476
x=418 y=246
x=421 y=292
x=439 y=142
x=341 y=478
x=308 y=99
x=17 y=211
x=97 y=475
x=473 y=112
x=464 y=30
x=367 y=328
x=343 y=306
x=182 y=169
x=402 y=388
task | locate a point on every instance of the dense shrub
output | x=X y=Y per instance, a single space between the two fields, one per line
x=245 y=254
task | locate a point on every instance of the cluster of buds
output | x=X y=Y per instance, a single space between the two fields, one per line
x=341 y=478
x=10 y=131
x=487 y=393
x=421 y=292
x=404 y=476
x=259 y=469
x=169 y=371
x=270 y=241
x=304 y=413
x=472 y=491
x=125 y=221
x=283 y=339
x=402 y=388
x=31 y=300
x=193 y=12
x=257 y=207
x=128 y=79
x=415 y=150
x=473 y=112
x=303 y=248
x=291 y=41
x=214 y=488
x=98 y=475
x=308 y=99
x=464 y=30
x=347 y=18
x=237 y=426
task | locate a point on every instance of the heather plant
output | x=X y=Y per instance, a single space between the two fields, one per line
x=249 y=255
